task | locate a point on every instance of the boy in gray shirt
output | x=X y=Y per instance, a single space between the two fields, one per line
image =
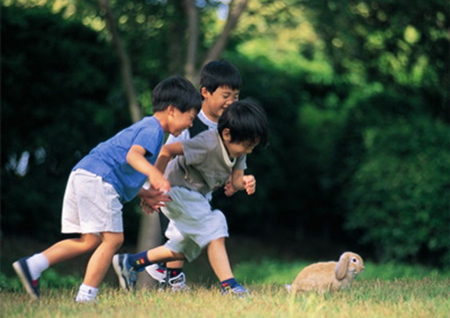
x=203 y=164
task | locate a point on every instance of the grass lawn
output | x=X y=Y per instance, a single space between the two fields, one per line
x=383 y=290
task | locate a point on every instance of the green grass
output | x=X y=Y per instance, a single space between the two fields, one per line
x=383 y=290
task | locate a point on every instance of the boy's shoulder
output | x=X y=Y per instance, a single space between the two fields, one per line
x=197 y=127
x=206 y=139
x=209 y=135
x=150 y=122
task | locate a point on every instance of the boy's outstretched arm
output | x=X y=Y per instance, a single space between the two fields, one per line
x=136 y=159
x=167 y=152
x=243 y=182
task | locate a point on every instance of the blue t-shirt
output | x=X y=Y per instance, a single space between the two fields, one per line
x=108 y=159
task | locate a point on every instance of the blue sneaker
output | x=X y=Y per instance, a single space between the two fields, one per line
x=238 y=291
x=22 y=270
x=126 y=274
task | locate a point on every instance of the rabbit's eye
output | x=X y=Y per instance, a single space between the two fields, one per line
x=354 y=260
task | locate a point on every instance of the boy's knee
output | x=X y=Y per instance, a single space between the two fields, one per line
x=114 y=239
x=91 y=241
x=219 y=240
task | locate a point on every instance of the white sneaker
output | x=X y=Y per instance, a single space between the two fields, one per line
x=178 y=283
x=157 y=272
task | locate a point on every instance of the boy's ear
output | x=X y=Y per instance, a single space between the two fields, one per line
x=170 y=109
x=204 y=92
x=226 y=135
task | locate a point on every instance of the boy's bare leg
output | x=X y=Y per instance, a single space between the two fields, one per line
x=101 y=259
x=163 y=254
x=218 y=258
x=29 y=269
x=175 y=264
x=70 y=248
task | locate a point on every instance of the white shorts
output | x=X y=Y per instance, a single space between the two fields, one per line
x=192 y=223
x=90 y=205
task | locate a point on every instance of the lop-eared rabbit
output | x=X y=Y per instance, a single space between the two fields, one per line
x=328 y=276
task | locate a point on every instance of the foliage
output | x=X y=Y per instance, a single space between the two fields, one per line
x=49 y=279
x=399 y=193
x=356 y=92
x=378 y=41
x=57 y=102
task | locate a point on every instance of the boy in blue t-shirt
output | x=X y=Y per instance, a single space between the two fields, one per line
x=111 y=174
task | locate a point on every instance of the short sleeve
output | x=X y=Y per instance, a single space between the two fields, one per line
x=150 y=139
x=241 y=163
x=196 y=149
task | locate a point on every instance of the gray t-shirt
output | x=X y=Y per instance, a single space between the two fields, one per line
x=205 y=165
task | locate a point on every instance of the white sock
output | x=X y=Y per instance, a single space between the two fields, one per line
x=37 y=264
x=86 y=294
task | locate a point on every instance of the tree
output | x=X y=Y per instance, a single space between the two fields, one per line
x=124 y=60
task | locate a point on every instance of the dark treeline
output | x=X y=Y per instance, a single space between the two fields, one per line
x=363 y=165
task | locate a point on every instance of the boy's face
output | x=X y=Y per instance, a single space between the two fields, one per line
x=179 y=121
x=237 y=149
x=215 y=103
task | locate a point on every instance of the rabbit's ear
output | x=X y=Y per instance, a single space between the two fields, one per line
x=342 y=266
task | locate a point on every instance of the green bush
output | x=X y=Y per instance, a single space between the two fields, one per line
x=398 y=196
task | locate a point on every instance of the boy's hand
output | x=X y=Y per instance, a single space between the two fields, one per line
x=249 y=184
x=146 y=209
x=229 y=190
x=152 y=200
x=160 y=183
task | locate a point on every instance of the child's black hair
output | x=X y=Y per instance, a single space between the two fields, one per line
x=220 y=73
x=246 y=120
x=178 y=92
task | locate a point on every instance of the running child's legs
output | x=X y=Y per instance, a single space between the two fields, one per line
x=29 y=269
x=158 y=254
x=101 y=259
x=71 y=248
x=163 y=254
x=218 y=258
x=175 y=264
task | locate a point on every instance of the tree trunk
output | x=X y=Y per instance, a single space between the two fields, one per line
x=124 y=60
x=149 y=233
x=149 y=237
x=234 y=13
x=193 y=35
x=177 y=30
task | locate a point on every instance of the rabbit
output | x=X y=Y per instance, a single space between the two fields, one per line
x=328 y=276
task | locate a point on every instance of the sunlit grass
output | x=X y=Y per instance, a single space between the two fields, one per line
x=382 y=291
x=427 y=297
